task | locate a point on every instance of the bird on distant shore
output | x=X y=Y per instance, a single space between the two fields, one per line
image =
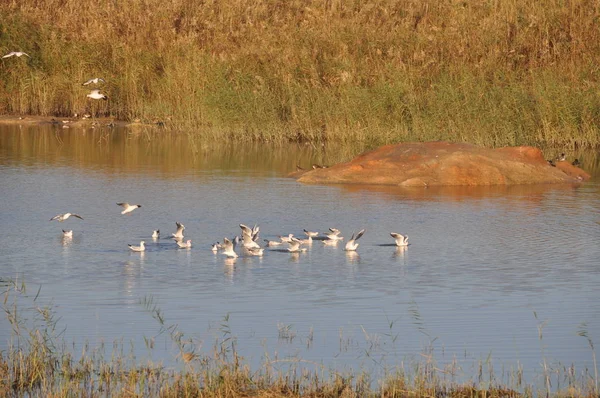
x=15 y=54
x=139 y=248
x=576 y=163
x=561 y=158
x=63 y=217
x=127 y=207
x=401 y=240
x=96 y=94
x=351 y=245
x=95 y=80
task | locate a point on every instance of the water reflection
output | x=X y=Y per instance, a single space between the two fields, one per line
x=481 y=259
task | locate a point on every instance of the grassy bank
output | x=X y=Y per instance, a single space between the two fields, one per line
x=488 y=72
x=38 y=362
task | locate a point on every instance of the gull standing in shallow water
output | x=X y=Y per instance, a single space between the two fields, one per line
x=127 y=207
x=228 y=248
x=401 y=240
x=96 y=94
x=139 y=248
x=156 y=234
x=68 y=234
x=63 y=217
x=352 y=245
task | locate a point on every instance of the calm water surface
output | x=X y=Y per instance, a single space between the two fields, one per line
x=481 y=263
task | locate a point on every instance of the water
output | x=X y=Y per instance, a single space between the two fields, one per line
x=487 y=268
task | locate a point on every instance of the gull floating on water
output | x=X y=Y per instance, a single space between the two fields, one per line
x=96 y=94
x=273 y=242
x=287 y=239
x=331 y=242
x=249 y=237
x=184 y=245
x=95 y=80
x=311 y=234
x=139 y=248
x=228 y=248
x=179 y=233
x=334 y=234
x=256 y=251
x=352 y=245
x=128 y=208
x=15 y=54
x=156 y=234
x=68 y=234
x=401 y=240
x=63 y=217
x=215 y=247
x=295 y=246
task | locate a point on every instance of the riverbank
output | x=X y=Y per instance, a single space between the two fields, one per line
x=375 y=73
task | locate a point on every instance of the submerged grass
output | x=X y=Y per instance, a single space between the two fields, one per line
x=38 y=363
x=492 y=73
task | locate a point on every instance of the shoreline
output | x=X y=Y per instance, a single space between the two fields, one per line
x=72 y=121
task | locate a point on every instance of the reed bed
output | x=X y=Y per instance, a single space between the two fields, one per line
x=490 y=72
x=38 y=362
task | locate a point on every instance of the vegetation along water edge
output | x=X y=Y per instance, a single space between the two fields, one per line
x=39 y=362
x=491 y=73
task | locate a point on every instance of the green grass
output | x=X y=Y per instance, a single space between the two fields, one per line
x=492 y=73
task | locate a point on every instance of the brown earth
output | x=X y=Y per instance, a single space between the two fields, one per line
x=443 y=164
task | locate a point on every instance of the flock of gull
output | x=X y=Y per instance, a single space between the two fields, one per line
x=94 y=94
x=249 y=239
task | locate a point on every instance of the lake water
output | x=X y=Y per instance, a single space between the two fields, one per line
x=482 y=264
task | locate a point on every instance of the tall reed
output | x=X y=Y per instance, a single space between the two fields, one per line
x=376 y=71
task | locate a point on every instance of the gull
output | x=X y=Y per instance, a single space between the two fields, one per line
x=228 y=248
x=95 y=80
x=139 y=248
x=249 y=236
x=215 y=247
x=95 y=94
x=127 y=207
x=179 y=233
x=15 y=54
x=334 y=234
x=401 y=240
x=352 y=245
x=256 y=251
x=156 y=234
x=286 y=239
x=63 y=217
x=273 y=242
x=184 y=245
x=68 y=234
x=330 y=242
x=295 y=246
x=311 y=234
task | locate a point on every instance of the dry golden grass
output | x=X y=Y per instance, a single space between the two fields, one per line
x=489 y=72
